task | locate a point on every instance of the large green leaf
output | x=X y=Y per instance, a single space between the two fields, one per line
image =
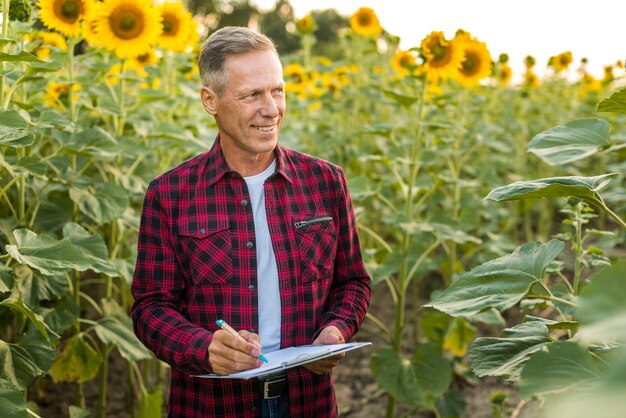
x=505 y=356
x=93 y=141
x=560 y=367
x=16 y=303
x=20 y=363
x=118 y=331
x=575 y=140
x=583 y=187
x=14 y=129
x=21 y=56
x=35 y=287
x=601 y=307
x=615 y=103
x=93 y=246
x=104 y=203
x=500 y=283
x=419 y=381
x=76 y=362
x=44 y=253
x=12 y=403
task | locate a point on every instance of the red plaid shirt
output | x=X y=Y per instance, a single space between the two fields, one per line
x=197 y=263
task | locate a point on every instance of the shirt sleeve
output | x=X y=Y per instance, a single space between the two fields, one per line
x=350 y=293
x=158 y=289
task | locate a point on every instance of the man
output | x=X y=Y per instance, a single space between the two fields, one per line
x=249 y=232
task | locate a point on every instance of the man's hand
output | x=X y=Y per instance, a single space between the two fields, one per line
x=230 y=354
x=329 y=335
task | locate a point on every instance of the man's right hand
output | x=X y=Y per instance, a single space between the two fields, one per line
x=229 y=354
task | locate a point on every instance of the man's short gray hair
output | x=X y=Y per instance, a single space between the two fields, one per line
x=227 y=41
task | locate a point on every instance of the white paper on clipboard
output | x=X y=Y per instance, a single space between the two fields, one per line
x=290 y=357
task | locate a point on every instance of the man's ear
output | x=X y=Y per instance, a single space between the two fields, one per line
x=209 y=99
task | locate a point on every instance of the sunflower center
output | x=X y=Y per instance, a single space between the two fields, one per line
x=365 y=19
x=68 y=10
x=441 y=55
x=471 y=65
x=170 y=26
x=127 y=23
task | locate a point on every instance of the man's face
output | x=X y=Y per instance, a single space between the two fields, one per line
x=250 y=112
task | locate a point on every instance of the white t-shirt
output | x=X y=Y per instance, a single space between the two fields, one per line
x=267 y=272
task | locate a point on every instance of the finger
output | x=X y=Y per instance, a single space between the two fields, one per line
x=251 y=338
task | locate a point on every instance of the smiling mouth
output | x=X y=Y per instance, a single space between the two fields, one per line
x=267 y=128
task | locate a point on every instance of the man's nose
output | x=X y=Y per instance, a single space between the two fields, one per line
x=269 y=107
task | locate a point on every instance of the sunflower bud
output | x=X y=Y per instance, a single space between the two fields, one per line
x=20 y=10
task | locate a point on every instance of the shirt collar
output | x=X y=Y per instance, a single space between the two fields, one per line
x=218 y=162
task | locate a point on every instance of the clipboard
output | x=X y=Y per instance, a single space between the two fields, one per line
x=288 y=358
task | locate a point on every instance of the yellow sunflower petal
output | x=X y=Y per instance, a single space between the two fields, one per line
x=128 y=27
x=476 y=63
x=443 y=57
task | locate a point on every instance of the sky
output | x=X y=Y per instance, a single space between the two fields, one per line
x=541 y=28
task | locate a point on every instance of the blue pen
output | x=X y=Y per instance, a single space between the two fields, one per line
x=223 y=325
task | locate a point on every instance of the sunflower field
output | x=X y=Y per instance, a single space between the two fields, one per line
x=491 y=212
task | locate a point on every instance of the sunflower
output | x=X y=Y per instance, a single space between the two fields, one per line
x=177 y=23
x=306 y=25
x=49 y=39
x=476 y=63
x=63 y=15
x=143 y=60
x=365 y=23
x=504 y=74
x=562 y=61
x=57 y=93
x=404 y=63
x=443 y=57
x=295 y=78
x=128 y=27
x=531 y=79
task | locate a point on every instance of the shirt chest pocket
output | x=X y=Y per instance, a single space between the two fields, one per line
x=207 y=247
x=317 y=245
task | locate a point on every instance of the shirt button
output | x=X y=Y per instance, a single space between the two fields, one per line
x=244 y=202
x=249 y=244
x=253 y=331
x=202 y=231
x=251 y=288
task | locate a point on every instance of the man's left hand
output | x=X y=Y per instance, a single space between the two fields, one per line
x=329 y=335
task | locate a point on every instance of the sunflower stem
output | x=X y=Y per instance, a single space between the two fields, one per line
x=5 y=33
x=121 y=120
x=70 y=76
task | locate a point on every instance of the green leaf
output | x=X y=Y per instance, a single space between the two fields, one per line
x=505 y=356
x=76 y=362
x=44 y=253
x=401 y=99
x=583 y=187
x=615 y=103
x=601 y=307
x=500 y=283
x=576 y=140
x=6 y=279
x=35 y=288
x=93 y=141
x=76 y=412
x=21 y=56
x=20 y=363
x=31 y=165
x=561 y=367
x=419 y=381
x=451 y=405
x=151 y=403
x=14 y=129
x=16 y=303
x=12 y=403
x=459 y=336
x=106 y=202
x=118 y=331
x=93 y=246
